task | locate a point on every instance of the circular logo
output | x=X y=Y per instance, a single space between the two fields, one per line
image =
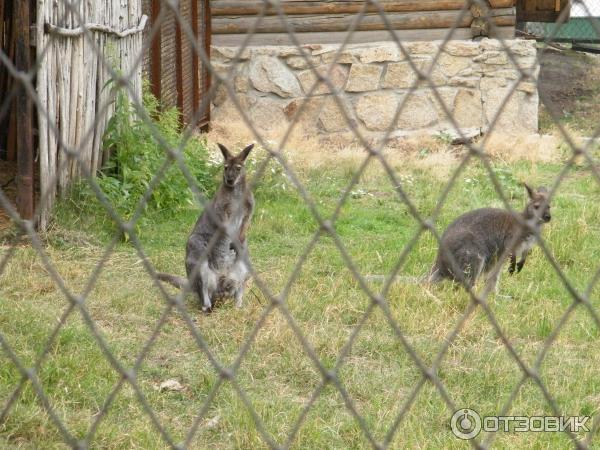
x=465 y=424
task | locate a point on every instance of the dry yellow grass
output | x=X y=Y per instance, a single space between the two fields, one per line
x=427 y=152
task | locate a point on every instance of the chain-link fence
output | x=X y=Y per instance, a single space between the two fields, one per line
x=582 y=26
x=43 y=369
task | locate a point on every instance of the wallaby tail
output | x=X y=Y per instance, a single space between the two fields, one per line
x=434 y=275
x=178 y=282
x=399 y=278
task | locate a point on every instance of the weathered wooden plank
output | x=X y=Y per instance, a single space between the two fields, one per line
x=10 y=83
x=252 y=7
x=24 y=111
x=195 y=101
x=74 y=107
x=179 y=67
x=369 y=22
x=63 y=65
x=542 y=10
x=85 y=138
x=359 y=37
x=49 y=192
x=96 y=121
x=3 y=74
x=42 y=110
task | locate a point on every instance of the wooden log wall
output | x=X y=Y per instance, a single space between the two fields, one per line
x=74 y=92
x=326 y=21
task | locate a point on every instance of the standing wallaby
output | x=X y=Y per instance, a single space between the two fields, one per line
x=477 y=239
x=220 y=271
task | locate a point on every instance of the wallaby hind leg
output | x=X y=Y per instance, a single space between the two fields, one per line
x=480 y=264
x=208 y=278
x=239 y=296
x=494 y=279
x=206 y=303
x=240 y=274
x=469 y=265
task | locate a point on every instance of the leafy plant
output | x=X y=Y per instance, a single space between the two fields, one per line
x=444 y=137
x=139 y=148
x=511 y=185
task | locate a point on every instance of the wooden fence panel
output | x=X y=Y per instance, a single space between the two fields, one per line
x=75 y=104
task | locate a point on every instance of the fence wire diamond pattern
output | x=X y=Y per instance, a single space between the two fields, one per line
x=77 y=302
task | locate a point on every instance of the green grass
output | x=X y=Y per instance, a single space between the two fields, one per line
x=326 y=302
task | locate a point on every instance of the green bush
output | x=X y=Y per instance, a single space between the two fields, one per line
x=136 y=156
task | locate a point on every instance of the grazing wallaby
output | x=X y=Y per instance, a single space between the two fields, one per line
x=221 y=270
x=477 y=239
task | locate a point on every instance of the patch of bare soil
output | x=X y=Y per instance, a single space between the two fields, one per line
x=569 y=87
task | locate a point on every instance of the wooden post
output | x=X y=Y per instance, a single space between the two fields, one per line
x=23 y=110
x=156 y=53
x=179 y=67
x=207 y=74
x=195 y=60
x=11 y=141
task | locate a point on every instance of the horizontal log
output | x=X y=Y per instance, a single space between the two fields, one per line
x=359 y=37
x=79 y=31
x=502 y=3
x=369 y=22
x=253 y=7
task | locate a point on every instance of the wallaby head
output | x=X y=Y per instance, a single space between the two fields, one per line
x=233 y=168
x=538 y=207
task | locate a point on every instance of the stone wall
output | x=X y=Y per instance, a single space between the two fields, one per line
x=472 y=78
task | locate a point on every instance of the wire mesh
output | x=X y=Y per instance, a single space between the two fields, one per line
x=582 y=27
x=378 y=300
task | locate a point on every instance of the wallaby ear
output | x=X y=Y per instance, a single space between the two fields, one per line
x=530 y=191
x=244 y=154
x=225 y=152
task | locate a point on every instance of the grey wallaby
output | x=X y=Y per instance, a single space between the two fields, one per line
x=479 y=238
x=215 y=258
